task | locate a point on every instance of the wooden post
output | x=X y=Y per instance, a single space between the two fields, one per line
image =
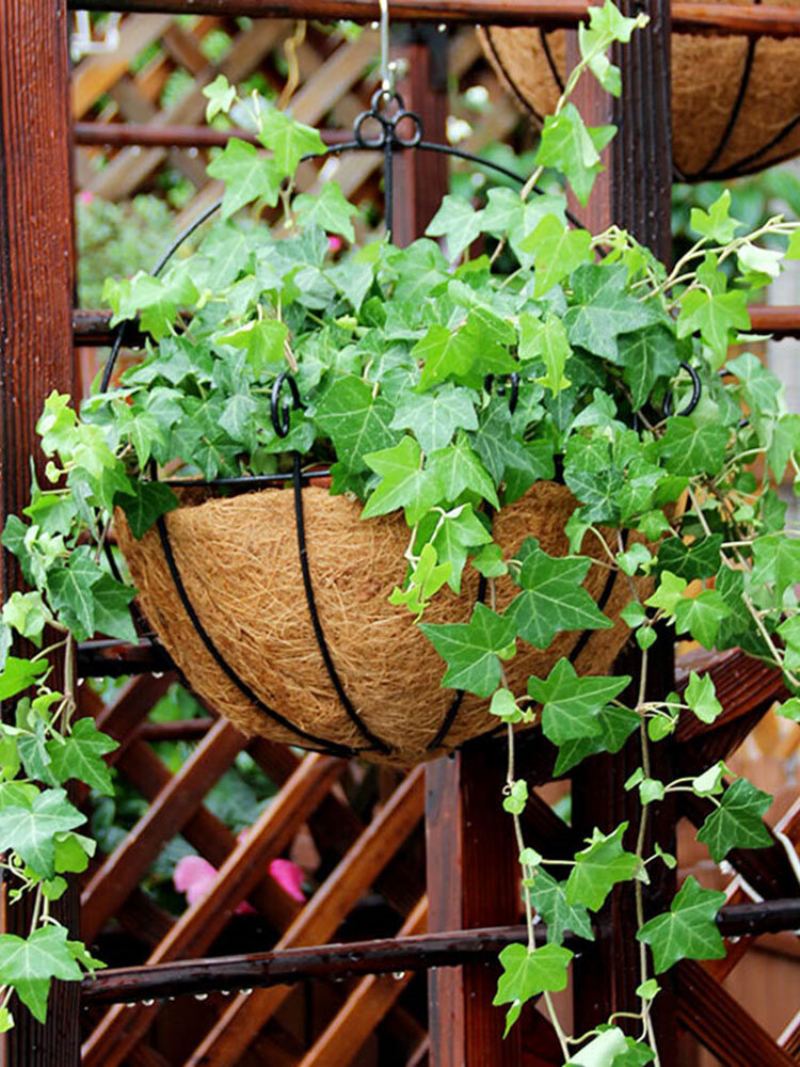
x=633 y=192
x=36 y=291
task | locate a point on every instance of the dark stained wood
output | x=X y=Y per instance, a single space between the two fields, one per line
x=550 y=14
x=36 y=289
x=406 y=952
x=109 y=658
x=473 y=880
x=721 y=1024
x=120 y=1029
x=246 y=1015
x=123 y=134
x=175 y=804
x=779 y=321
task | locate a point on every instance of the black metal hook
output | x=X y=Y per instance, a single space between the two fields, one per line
x=281 y=409
x=388 y=124
x=513 y=381
x=694 y=399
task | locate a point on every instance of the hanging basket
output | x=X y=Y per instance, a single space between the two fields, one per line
x=241 y=593
x=735 y=100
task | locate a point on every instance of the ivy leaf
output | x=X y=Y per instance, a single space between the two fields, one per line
x=329 y=209
x=355 y=420
x=777 y=561
x=220 y=95
x=687 y=931
x=435 y=417
x=427 y=578
x=701 y=616
x=616 y=726
x=30 y=964
x=693 y=449
x=459 y=222
x=784 y=443
x=458 y=469
x=289 y=140
x=571 y=704
x=248 y=176
x=715 y=316
x=647 y=356
x=668 y=593
x=472 y=650
x=445 y=353
x=506 y=458
x=701 y=696
x=716 y=223
x=553 y=598
x=602 y=309
x=572 y=148
x=605 y=1050
x=264 y=341
x=526 y=974
x=549 y=898
x=546 y=340
x=20 y=674
x=403 y=484
x=112 y=615
x=700 y=559
x=737 y=822
x=557 y=250
x=80 y=755
x=70 y=589
x=459 y=532
x=30 y=831
x=150 y=501
x=599 y=867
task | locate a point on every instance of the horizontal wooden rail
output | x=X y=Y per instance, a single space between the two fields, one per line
x=118 y=659
x=779 y=321
x=383 y=956
x=752 y=21
x=152 y=134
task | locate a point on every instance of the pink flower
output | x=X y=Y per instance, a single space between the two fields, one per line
x=290 y=878
x=195 y=876
x=335 y=244
x=86 y=197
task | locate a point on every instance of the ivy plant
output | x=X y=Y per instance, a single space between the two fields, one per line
x=400 y=355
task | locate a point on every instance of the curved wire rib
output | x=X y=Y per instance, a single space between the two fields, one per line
x=320 y=742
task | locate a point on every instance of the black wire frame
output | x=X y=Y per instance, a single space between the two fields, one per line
x=391 y=142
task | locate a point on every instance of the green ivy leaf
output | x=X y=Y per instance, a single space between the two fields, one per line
x=150 y=500
x=647 y=356
x=616 y=726
x=460 y=531
x=329 y=209
x=289 y=140
x=220 y=95
x=553 y=598
x=473 y=650
x=526 y=974
x=355 y=419
x=404 y=483
x=700 y=559
x=80 y=755
x=716 y=223
x=701 y=696
x=30 y=964
x=737 y=822
x=264 y=341
x=27 y=614
x=20 y=674
x=459 y=222
x=599 y=867
x=248 y=176
x=716 y=316
x=557 y=250
x=71 y=592
x=546 y=340
x=30 y=831
x=688 y=930
x=777 y=561
x=701 y=616
x=549 y=897
x=689 y=448
x=112 y=615
x=572 y=148
x=434 y=417
x=458 y=469
x=571 y=704
x=602 y=310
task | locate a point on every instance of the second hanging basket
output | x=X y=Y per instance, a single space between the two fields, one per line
x=735 y=100
x=239 y=567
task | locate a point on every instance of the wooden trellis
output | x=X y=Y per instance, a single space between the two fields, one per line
x=267 y=1017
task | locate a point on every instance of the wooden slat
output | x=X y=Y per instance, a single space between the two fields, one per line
x=246 y=1015
x=36 y=282
x=721 y=1024
x=121 y=1028
x=122 y=870
x=364 y=1009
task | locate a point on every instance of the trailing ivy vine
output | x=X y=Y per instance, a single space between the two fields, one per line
x=392 y=349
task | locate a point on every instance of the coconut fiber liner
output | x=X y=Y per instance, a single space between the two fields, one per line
x=735 y=101
x=238 y=560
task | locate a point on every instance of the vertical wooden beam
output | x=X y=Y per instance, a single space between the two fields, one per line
x=472 y=881
x=36 y=289
x=633 y=192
